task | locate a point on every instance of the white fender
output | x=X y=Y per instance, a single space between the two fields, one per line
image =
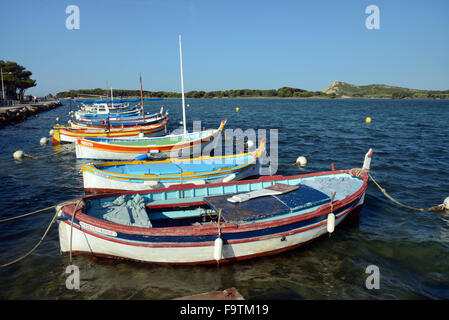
x=330 y=222
x=218 y=249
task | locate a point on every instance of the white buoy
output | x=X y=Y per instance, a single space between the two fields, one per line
x=302 y=161
x=218 y=249
x=180 y=122
x=18 y=155
x=446 y=203
x=51 y=132
x=250 y=144
x=57 y=119
x=330 y=222
x=43 y=141
x=141 y=135
x=69 y=122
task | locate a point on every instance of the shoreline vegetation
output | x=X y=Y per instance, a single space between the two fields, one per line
x=337 y=90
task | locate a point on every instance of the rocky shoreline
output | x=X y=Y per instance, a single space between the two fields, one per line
x=15 y=115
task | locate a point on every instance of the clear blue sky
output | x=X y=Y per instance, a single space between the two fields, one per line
x=227 y=44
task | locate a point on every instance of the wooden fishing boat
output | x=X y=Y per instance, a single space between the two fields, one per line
x=125 y=120
x=69 y=134
x=142 y=175
x=121 y=123
x=103 y=114
x=199 y=224
x=129 y=149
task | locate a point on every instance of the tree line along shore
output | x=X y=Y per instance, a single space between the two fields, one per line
x=336 y=90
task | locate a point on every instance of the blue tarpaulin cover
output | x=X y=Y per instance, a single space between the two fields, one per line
x=126 y=209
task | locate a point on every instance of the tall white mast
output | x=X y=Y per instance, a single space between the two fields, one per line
x=3 y=86
x=182 y=89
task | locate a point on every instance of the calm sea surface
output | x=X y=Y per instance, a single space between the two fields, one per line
x=410 y=140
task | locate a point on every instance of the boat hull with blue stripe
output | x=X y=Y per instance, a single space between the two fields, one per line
x=181 y=224
x=120 y=121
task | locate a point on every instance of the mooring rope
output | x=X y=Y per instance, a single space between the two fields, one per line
x=34 y=248
x=42 y=156
x=71 y=227
x=46 y=155
x=218 y=222
x=434 y=208
x=44 y=235
x=26 y=214
x=359 y=171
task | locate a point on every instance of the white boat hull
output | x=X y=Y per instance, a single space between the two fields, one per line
x=95 y=241
x=85 y=152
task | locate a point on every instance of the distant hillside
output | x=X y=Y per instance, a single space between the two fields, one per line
x=346 y=90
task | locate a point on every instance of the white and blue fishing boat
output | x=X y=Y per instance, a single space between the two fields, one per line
x=129 y=112
x=122 y=120
x=102 y=108
x=143 y=175
x=199 y=224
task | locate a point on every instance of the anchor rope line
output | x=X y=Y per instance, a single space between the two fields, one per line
x=358 y=172
x=41 y=239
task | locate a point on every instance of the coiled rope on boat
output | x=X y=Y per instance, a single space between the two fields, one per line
x=359 y=172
